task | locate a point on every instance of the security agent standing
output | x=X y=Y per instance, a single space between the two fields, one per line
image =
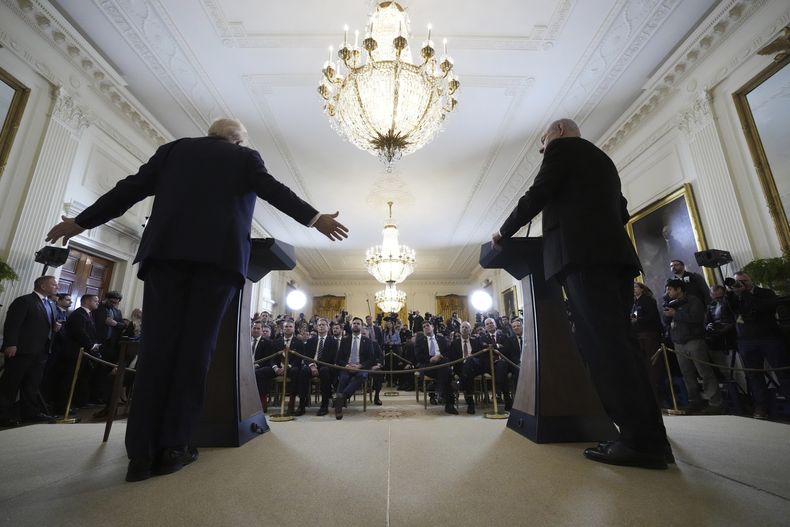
x=695 y=283
x=588 y=251
x=192 y=265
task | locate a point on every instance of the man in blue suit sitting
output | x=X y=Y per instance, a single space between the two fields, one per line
x=193 y=258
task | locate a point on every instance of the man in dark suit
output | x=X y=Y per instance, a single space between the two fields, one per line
x=321 y=347
x=503 y=344
x=433 y=350
x=262 y=348
x=376 y=379
x=356 y=352
x=193 y=257
x=465 y=345
x=374 y=330
x=276 y=367
x=27 y=335
x=586 y=248
x=80 y=332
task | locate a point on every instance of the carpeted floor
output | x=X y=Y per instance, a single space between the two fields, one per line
x=399 y=465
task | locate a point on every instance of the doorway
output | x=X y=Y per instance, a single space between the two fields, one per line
x=85 y=273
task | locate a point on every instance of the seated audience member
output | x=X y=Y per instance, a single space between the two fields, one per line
x=262 y=347
x=687 y=318
x=504 y=346
x=322 y=347
x=646 y=321
x=275 y=368
x=355 y=352
x=517 y=326
x=466 y=344
x=759 y=337
x=81 y=333
x=433 y=350
x=376 y=380
x=337 y=331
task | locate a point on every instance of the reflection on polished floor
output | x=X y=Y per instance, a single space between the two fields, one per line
x=399 y=465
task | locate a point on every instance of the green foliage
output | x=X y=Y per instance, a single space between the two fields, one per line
x=6 y=273
x=770 y=272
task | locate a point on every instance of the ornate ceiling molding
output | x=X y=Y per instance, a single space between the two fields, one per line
x=152 y=35
x=233 y=34
x=102 y=78
x=67 y=112
x=727 y=18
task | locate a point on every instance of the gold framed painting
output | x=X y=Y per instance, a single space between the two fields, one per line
x=668 y=229
x=509 y=302
x=13 y=97
x=764 y=113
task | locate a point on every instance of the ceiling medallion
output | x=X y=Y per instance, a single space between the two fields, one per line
x=388 y=105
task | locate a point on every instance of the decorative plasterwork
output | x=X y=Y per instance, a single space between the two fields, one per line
x=410 y=284
x=698 y=115
x=132 y=236
x=151 y=33
x=108 y=129
x=103 y=79
x=233 y=34
x=729 y=16
x=67 y=112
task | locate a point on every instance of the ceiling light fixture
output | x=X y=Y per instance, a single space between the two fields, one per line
x=388 y=105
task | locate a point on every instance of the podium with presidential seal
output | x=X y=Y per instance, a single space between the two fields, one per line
x=232 y=413
x=555 y=400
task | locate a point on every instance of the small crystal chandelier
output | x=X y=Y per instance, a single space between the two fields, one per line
x=388 y=105
x=390 y=262
x=390 y=299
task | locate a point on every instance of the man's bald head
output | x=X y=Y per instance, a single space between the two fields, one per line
x=559 y=128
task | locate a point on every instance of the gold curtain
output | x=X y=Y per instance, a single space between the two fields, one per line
x=328 y=306
x=445 y=305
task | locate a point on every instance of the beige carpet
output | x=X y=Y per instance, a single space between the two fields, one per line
x=399 y=465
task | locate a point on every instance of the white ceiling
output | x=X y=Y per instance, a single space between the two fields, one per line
x=521 y=64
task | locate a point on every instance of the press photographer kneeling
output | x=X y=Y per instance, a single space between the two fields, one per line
x=686 y=317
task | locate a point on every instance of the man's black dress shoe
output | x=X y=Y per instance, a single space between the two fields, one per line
x=339 y=402
x=139 y=470
x=669 y=457
x=8 y=422
x=450 y=409
x=470 y=408
x=432 y=400
x=173 y=459
x=322 y=411
x=377 y=401
x=617 y=453
x=299 y=411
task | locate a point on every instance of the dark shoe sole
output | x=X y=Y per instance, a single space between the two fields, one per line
x=594 y=454
x=669 y=457
x=163 y=469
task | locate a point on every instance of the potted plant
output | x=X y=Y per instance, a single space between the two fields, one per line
x=6 y=273
x=773 y=273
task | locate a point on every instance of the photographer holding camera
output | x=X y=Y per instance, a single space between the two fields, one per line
x=687 y=317
x=759 y=336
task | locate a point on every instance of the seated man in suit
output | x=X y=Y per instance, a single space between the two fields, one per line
x=377 y=380
x=432 y=350
x=277 y=366
x=80 y=332
x=322 y=347
x=355 y=352
x=463 y=346
x=479 y=365
x=262 y=348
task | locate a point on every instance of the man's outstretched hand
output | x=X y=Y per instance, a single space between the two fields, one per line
x=66 y=228
x=330 y=227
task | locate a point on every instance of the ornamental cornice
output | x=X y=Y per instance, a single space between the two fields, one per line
x=67 y=112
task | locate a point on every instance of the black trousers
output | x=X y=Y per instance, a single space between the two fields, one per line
x=600 y=301
x=265 y=375
x=325 y=376
x=481 y=364
x=22 y=375
x=184 y=303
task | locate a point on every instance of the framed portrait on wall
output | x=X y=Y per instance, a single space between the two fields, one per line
x=13 y=97
x=668 y=229
x=509 y=302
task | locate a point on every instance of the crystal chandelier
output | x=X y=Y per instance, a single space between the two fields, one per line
x=390 y=299
x=388 y=105
x=390 y=262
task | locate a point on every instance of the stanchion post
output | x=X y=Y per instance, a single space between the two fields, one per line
x=117 y=385
x=282 y=416
x=66 y=419
x=391 y=393
x=495 y=414
x=674 y=410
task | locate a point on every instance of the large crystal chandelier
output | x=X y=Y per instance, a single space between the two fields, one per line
x=390 y=299
x=388 y=105
x=390 y=262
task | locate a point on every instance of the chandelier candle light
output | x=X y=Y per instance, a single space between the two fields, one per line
x=390 y=262
x=386 y=104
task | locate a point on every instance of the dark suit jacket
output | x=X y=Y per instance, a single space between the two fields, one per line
x=205 y=191
x=456 y=351
x=584 y=211
x=504 y=344
x=80 y=332
x=296 y=345
x=328 y=354
x=367 y=355
x=27 y=326
x=423 y=354
x=263 y=349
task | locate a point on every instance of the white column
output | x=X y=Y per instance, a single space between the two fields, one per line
x=44 y=199
x=714 y=189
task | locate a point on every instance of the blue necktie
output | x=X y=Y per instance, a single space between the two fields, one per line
x=354 y=351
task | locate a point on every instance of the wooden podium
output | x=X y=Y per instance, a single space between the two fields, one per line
x=232 y=413
x=555 y=400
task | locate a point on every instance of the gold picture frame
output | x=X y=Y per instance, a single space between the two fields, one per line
x=510 y=302
x=13 y=98
x=761 y=160
x=668 y=229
